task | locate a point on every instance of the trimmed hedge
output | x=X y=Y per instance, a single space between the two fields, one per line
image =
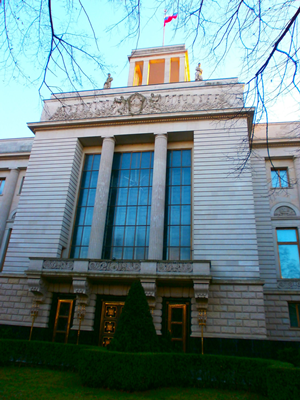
x=42 y=354
x=283 y=383
x=143 y=371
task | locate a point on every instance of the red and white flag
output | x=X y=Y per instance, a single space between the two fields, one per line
x=169 y=18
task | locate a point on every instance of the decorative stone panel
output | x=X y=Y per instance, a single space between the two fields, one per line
x=114 y=266
x=292 y=284
x=58 y=265
x=174 y=267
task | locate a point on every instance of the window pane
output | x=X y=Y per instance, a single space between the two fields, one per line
x=284 y=178
x=286 y=235
x=117 y=253
x=89 y=215
x=94 y=179
x=175 y=215
x=86 y=177
x=129 y=235
x=128 y=253
x=175 y=176
x=131 y=216
x=293 y=315
x=88 y=162
x=139 y=253
x=135 y=160
x=140 y=239
x=144 y=177
x=174 y=235
x=125 y=164
x=275 y=179
x=185 y=253
x=96 y=163
x=176 y=158
x=143 y=196
x=84 y=251
x=122 y=196
x=185 y=236
x=91 y=197
x=2 y=183
x=186 y=158
x=134 y=177
x=185 y=215
x=132 y=196
x=117 y=161
x=120 y=215
x=142 y=216
x=175 y=195
x=118 y=236
x=186 y=176
x=124 y=178
x=186 y=195
x=80 y=216
x=289 y=261
x=145 y=160
x=86 y=236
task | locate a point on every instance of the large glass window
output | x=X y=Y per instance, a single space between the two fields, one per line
x=85 y=207
x=128 y=216
x=177 y=233
x=288 y=250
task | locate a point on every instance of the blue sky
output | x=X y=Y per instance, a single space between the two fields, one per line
x=20 y=102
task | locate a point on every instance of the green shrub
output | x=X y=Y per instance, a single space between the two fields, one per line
x=143 y=371
x=135 y=331
x=44 y=354
x=290 y=355
x=283 y=383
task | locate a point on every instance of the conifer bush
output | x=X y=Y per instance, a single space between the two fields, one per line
x=135 y=331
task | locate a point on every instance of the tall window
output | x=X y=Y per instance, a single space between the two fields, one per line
x=2 y=183
x=128 y=214
x=280 y=178
x=85 y=207
x=177 y=232
x=288 y=250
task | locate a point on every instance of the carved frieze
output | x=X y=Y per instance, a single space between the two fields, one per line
x=174 y=267
x=58 y=265
x=293 y=284
x=114 y=266
x=136 y=104
x=284 y=211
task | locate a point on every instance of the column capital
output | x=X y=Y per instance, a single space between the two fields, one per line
x=14 y=169
x=112 y=138
x=161 y=135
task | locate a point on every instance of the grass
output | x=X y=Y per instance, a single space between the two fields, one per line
x=33 y=383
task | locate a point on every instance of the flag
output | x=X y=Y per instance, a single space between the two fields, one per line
x=169 y=18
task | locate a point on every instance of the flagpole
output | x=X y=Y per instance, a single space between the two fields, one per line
x=164 y=28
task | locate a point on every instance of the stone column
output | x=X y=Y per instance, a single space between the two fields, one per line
x=167 y=70
x=131 y=74
x=101 y=200
x=181 y=69
x=145 y=73
x=7 y=198
x=158 y=198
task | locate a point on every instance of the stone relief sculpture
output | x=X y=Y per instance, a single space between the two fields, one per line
x=174 y=267
x=114 y=266
x=58 y=265
x=135 y=104
x=284 y=211
x=198 y=74
x=107 y=83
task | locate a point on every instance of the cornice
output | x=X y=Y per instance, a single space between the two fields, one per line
x=276 y=143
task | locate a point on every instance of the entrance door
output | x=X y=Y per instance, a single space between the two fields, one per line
x=110 y=315
x=177 y=324
x=62 y=321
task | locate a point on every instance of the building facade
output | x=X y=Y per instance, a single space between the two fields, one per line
x=145 y=182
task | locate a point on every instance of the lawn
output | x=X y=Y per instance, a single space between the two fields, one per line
x=33 y=383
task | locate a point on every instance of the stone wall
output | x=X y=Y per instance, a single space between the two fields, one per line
x=277 y=316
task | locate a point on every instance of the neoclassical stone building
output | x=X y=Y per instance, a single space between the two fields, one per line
x=142 y=182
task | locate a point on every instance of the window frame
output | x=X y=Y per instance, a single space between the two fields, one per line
x=277 y=171
x=297 y=313
x=286 y=243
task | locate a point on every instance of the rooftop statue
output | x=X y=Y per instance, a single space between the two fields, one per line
x=107 y=83
x=198 y=74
